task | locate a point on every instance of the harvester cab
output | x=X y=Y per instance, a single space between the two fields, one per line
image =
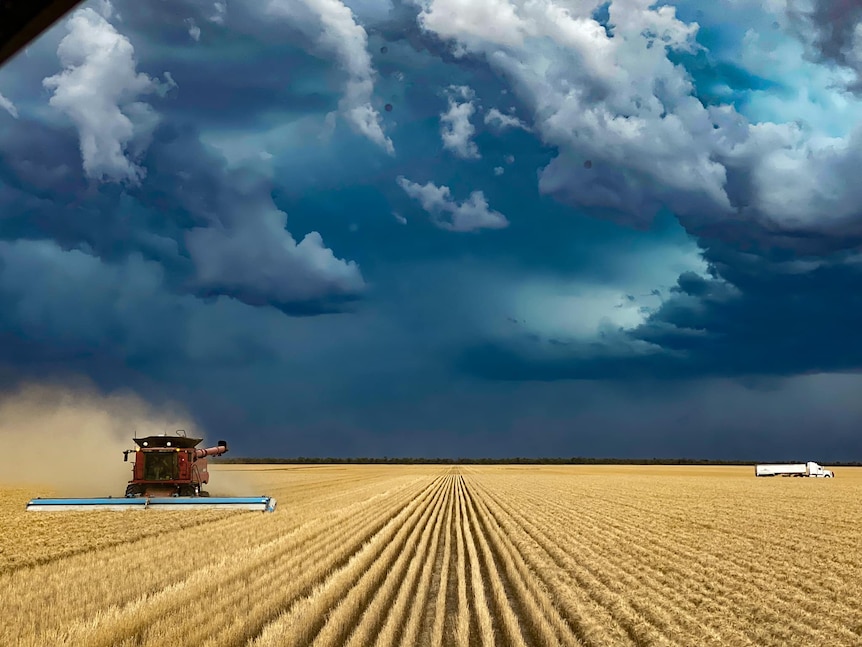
x=168 y=473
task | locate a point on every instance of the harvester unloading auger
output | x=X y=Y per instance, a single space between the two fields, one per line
x=168 y=474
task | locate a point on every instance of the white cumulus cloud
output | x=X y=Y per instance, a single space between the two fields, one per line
x=194 y=30
x=632 y=137
x=334 y=28
x=98 y=90
x=502 y=121
x=455 y=127
x=8 y=106
x=219 y=13
x=617 y=100
x=470 y=215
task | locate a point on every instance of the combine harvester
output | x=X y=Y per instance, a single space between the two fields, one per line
x=167 y=475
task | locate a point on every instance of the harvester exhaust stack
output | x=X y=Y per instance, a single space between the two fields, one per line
x=168 y=474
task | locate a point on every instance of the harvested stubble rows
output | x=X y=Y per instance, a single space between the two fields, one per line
x=404 y=555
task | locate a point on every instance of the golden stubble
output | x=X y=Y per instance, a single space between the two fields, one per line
x=442 y=555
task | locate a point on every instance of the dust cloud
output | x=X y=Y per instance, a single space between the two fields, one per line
x=71 y=439
x=226 y=480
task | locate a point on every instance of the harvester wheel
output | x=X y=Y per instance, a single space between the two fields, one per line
x=133 y=490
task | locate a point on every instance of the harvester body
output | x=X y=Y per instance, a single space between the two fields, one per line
x=168 y=473
x=170 y=466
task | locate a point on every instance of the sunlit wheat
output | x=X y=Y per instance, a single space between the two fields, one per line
x=449 y=555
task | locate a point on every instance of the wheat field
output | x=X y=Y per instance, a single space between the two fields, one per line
x=407 y=555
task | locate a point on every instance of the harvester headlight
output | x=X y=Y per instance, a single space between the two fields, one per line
x=177 y=449
x=145 y=443
x=169 y=443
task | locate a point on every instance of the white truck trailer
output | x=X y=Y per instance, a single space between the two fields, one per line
x=810 y=468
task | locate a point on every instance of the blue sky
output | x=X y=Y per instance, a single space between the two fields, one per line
x=440 y=228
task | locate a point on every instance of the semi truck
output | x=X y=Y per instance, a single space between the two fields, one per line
x=810 y=468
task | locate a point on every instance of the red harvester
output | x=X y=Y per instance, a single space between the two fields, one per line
x=168 y=474
x=170 y=466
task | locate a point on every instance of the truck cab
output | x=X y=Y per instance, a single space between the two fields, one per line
x=817 y=471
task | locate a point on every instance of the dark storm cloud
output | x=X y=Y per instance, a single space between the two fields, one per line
x=520 y=362
x=235 y=235
x=828 y=27
x=769 y=316
x=66 y=310
x=65 y=304
x=816 y=415
x=188 y=193
x=777 y=302
x=605 y=190
x=98 y=279
x=160 y=286
x=241 y=70
x=45 y=194
x=43 y=160
x=774 y=317
x=768 y=239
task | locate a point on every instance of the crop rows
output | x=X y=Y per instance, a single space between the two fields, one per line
x=482 y=556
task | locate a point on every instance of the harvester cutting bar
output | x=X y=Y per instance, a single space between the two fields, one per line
x=261 y=503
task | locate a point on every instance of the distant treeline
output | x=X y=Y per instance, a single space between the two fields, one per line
x=575 y=460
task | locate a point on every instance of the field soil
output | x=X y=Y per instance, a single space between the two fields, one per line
x=425 y=555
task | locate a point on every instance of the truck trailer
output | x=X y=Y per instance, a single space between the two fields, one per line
x=810 y=469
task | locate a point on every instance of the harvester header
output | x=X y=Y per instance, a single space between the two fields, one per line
x=169 y=472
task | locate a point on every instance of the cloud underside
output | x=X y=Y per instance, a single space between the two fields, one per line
x=744 y=324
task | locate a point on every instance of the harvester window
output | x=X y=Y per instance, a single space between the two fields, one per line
x=161 y=466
